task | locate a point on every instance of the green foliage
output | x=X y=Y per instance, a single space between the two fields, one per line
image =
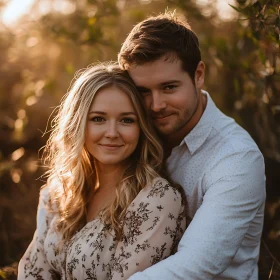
x=262 y=99
x=38 y=60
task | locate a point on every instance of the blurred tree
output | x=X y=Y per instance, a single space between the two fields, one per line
x=40 y=55
x=38 y=59
x=259 y=106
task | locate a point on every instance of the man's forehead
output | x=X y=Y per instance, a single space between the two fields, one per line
x=159 y=71
x=171 y=58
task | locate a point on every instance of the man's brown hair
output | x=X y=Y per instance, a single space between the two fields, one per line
x=158 y=36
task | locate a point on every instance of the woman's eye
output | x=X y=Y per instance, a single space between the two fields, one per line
x=97 y=119
x=128 y=120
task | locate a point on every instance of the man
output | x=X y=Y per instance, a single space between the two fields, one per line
x=218 y=164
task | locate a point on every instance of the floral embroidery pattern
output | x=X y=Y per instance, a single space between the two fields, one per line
x=152 y=228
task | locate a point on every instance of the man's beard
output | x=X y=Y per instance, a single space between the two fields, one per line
x=180 y=122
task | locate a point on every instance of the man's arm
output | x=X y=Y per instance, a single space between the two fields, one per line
x=235 y=191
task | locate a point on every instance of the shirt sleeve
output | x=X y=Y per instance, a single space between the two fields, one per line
x=233 y=201
x=33 y=264
x=153 y=226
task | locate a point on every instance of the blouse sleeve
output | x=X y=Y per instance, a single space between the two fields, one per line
x=153 y=226
x=33 y=264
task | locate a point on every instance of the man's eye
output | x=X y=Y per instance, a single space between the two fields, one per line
x=170 y=87
x=127 y=120
x=144 y=90
x=97 y=119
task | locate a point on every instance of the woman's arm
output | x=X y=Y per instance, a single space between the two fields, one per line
x=33 y=264
x=153 y=226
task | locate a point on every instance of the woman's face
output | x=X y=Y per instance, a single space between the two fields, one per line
x=112 y=130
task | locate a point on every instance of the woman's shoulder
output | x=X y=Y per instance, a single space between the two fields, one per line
x=46 y=207
x=159 y=200
x=44 y=193
x=45 y=198
x=161 y=189
x=48 y=196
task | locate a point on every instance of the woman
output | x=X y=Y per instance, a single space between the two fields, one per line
x=105 y=213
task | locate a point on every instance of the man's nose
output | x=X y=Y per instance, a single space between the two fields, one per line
x=158 y=102
x=112 y=130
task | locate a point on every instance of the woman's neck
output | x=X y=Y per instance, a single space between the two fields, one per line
x=108 y=176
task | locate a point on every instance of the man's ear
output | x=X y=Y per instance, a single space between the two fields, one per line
x=199 y=75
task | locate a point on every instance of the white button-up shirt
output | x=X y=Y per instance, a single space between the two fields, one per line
x=222 y=172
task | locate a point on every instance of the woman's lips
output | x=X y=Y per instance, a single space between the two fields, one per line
x=110 y=147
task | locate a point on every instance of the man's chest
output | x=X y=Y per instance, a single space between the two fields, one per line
x=189 y=171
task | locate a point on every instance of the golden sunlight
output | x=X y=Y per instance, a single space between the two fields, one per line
x=223 y=8
x=14 y=10
x=17 y=8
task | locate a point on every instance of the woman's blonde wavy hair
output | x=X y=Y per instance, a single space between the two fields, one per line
x=72 y=175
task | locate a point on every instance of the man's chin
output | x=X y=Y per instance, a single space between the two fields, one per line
x=164 y=131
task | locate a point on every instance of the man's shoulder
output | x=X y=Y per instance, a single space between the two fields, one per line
x=232 y=151
x=235 y=140
x=226 y=132
x=229 y=146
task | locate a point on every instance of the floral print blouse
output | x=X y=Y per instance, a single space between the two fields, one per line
x=153 y=225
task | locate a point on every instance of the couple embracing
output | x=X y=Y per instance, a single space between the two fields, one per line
x=147 y=178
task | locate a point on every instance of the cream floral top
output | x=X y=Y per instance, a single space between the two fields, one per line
x=153 y=225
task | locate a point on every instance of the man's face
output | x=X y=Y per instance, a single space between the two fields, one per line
x=169 y=93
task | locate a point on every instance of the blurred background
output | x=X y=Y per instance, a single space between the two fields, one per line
x=44 y=42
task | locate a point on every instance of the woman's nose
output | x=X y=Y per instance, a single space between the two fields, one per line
x=112 y=130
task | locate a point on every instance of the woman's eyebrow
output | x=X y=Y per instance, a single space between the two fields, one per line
x=103 y=113
x=97 y=112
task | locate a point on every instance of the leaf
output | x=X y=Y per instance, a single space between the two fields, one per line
x=2 y=274
x=236 y=8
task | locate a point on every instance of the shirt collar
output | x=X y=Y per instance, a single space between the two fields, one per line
x=195 y=139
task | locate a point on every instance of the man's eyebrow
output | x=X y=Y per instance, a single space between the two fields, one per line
x=170 y=82
x=141 y=87
x=162 y=84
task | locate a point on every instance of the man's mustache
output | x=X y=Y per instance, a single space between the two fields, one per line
x=161 y=114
